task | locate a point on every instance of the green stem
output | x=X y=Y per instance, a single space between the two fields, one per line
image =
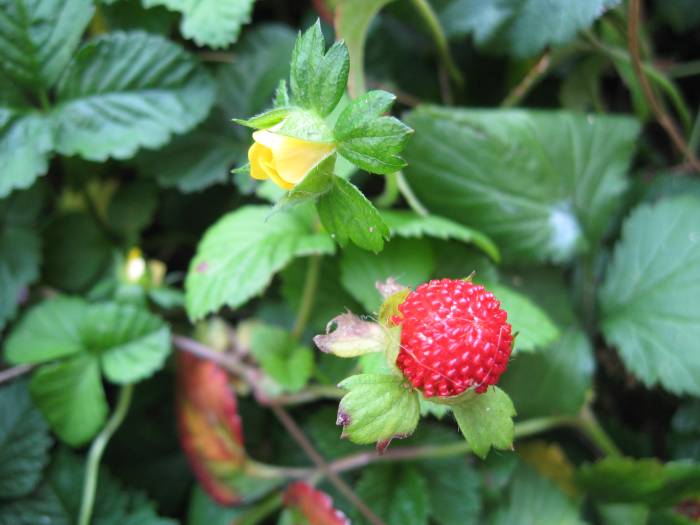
x=308 y=296
x=260 y=511
x=391 y=192
x=694 y=140
x=687 y=69
x=589 y=425
x=431 y=20
x=97 y=449
x=533 y=76
x=44 y=100
x=410 y=197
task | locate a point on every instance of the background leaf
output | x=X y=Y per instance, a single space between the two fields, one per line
x=210 y=22
x=540 y=184
x=281 y=357
x=521 y=27
x=24 y=442
x=38 y=38
x=239 y=255
x=110 y=103
x=649 y=299
x=454 y=488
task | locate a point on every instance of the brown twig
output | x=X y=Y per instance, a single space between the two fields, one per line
x=12 y=373
x=533 y=76
x=305 y=444
x=664 y=119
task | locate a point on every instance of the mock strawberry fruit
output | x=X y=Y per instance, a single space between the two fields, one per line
x=454 y=336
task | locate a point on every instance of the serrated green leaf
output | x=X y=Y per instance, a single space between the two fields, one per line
x=377 y=408
x=20 y=249
x=68 y=235
x=241 y=252
x=266 y=119
x=369 y=140
x=110 y=104
x=317 y=78
x=649 y=481
x=352 y=20
x=409 y=224
x=541 y=184
x=281 y=357
x=534 y=499
x=49 y=331
x=26 y=142
x=521 y=28
x=38 y=38
x=534 y=327
x=132 y=343
x=210 y=23
x=347 y=215
x=396 y=493
x=554 y=381
x=24 y=441
x=454 y=488
x=650 y=298
x=486 y=420
x=71 y=397
x=410 y=261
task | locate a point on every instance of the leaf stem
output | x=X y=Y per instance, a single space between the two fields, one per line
x=308 y=296
x=97 y=449
x=391 y=192
x=410 y=197
x=261 y=510
x=532 y=77
x=44 y=100
x=426 y=12
x=12 y=373
x=589 y=425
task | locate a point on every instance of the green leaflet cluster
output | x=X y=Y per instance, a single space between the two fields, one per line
x=361 y=134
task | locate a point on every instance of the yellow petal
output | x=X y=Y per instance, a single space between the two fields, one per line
x=258 y=153
x=293 y=158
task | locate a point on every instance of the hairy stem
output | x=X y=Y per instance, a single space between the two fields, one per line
x=431 y=20
x=308 y=296
x=12 y=373
x=410 y=197
x=97 y=449
x=531 y=79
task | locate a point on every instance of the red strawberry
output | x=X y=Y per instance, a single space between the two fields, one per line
x=454 y=336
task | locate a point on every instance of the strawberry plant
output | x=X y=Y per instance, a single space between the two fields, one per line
x=332 y=262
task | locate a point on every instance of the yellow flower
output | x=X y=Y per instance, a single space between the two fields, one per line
x=285 y=160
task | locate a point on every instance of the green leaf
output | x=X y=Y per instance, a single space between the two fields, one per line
x=39 y=37
x=68 y=235
x=20 y=252
x=26 y=141
x=377 y=408
x=541 y=184
x=396 y=493
x=369 y=140
x=132 y=343
x=133 y=207
x=627 y=480
x=239 y=254
x=521 y=28
x=486 y=420
x=534 y=499
x=534 y=327
x=347 y=215
x=454 y=488
x=352 y=20
x=410 y=261
x=318 y=79
x=563 y=372
x=49 y=331
x=649 y=299
x=281 y=357
x=71 y=397
x=410 y=225
x=24 y=441
x=202 y=510
x=110 y=104
x=210 y=23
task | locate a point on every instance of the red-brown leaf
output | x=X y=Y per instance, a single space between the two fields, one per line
x=315 y=507
x=210 y=428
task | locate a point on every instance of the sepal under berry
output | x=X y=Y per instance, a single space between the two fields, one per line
x=377 y=409
x=486 y=420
